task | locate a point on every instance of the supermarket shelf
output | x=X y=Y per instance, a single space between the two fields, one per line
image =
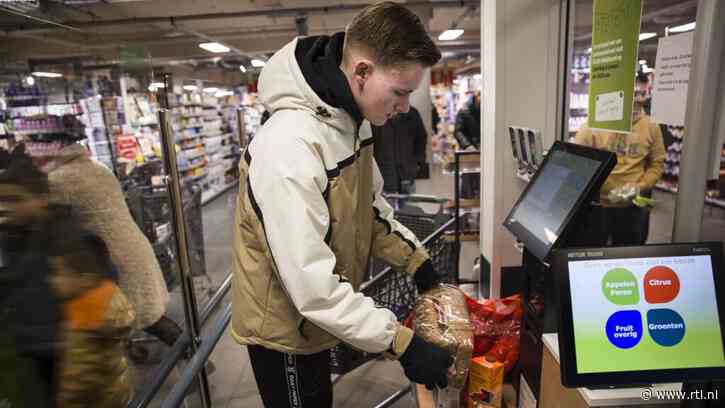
x=208 y=196
x=38 y=132
x=194 y=146
x=192 y=167
x=179 y=139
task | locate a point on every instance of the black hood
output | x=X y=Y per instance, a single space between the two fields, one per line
x=319 y=59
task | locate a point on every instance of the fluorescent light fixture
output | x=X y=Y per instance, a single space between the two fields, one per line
x=222 y=93
x=211 y=89
x=258 y=63
x=241 y=68
x=642 y=62
x=158 y=85
x=190 y=87
x=30 y=80
x=450 y=34
x=589 y=50
x=214 y=47
x=647 y=69
x=47 y=74
x=683 y=28
x=646 y=36
x=477 y=76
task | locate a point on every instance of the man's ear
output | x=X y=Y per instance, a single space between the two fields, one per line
x=362 y=71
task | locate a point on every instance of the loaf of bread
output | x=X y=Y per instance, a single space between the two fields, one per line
x=441 y=318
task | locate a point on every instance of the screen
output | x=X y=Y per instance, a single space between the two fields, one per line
x=553 y=194
x=653 y=313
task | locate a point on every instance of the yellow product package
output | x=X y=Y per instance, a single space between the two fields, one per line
x=485 y=386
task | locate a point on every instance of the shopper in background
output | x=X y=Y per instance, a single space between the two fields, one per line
x=96 y=197
x=399 y=147
x=30 y=312
x=468 y=124
x=310 y=210
x=640 y=165
x=68 y=319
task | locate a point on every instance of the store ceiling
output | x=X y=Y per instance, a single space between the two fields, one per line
x=170 y=31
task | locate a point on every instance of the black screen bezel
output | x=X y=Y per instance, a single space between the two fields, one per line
x=567 y=348
x=607 y=161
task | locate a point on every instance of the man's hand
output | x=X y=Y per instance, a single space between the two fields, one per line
x=426 y=364
x=426 y=277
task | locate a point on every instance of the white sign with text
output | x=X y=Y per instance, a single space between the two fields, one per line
x=669 y=93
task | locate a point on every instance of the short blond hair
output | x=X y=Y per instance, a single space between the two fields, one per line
x=391 y=35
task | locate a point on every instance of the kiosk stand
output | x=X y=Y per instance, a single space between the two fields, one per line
x=557 y=196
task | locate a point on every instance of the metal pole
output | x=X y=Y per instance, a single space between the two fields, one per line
x=240 y=128
x=457 y=209
x=566 y=51
x=702 y=99
x=182 y=246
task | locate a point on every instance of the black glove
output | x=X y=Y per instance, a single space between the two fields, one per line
x=426 y=364
x=426 y=277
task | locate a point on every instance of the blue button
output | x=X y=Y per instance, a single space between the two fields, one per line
x=666 y=327
x=624 y=329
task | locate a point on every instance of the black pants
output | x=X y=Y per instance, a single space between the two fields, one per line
x=621 y=226
x=292 y=380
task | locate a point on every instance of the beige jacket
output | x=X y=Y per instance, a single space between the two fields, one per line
x=95 y=196
x=640 y=156
x=309 y=216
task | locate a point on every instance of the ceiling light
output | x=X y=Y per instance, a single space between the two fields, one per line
x=30 y=80
x=642 y=62
x=241 y=68
x=589 y=50
x=220 y=93
x=47 y=74
x=450 y=34
x=647 y=36
x=190 y=87
x=214 y=47
x=257 y=63
x=683 y=28
x=477 y=76
x=211 y=89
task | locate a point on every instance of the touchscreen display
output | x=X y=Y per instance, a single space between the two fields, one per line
x=554 y=194
x=650 y=313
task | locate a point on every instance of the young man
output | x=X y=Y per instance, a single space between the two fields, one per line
x=640 y=164
x=310 y=211
x=400 y=151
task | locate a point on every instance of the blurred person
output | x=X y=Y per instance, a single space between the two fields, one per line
x=468 y=124
x=399 y=149
x=310 y=212
x=69 y=321
x=640 y=164
x=97 y=199
x=30 y=311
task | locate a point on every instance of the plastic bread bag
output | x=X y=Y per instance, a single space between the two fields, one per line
x=441 y=318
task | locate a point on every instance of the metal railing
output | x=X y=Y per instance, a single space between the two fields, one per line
x=177 y=352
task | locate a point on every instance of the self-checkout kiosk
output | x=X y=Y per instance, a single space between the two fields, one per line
x=624 y=316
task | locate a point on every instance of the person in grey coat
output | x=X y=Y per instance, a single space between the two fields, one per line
x=96 y=198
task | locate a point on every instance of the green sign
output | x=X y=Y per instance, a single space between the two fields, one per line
x=615 y=38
